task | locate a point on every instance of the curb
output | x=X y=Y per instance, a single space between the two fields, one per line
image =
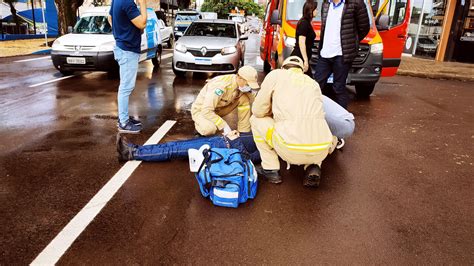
x=42 y=52
x=453 y=76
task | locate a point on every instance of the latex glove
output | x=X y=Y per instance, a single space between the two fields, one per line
x=227 y=130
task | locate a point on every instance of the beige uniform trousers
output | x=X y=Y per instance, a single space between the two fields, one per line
x=207 y=127
x=270 y=145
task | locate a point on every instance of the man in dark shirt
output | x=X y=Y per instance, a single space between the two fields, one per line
x=127 y=23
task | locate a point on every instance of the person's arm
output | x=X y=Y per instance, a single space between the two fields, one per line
x=109 y=18
x=362 y=20
x=302 y=44
x=262 y=106
x=213 y=97
x=138 y=18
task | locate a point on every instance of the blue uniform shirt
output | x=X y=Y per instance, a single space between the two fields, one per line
x=127 y=36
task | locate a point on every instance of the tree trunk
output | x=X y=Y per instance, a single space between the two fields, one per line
x=67 y=14
x=15 y=16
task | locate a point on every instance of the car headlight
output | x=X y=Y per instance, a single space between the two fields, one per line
x=290 y=41
x=376 y=48
x=180 y=48
x=109 y=46
x=57 y=45
x=176 y=29
x=228 y=50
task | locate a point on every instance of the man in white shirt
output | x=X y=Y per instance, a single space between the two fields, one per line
x=344 y=24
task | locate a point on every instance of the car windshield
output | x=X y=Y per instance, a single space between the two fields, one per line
x=187 y=17
x=212 y=30
x=93 y=24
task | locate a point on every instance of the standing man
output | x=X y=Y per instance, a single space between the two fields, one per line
x=288 y=122
x=127 y=23
x=344 y=24
x=222 y=95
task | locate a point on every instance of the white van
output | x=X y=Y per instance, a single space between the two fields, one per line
x=90 y=46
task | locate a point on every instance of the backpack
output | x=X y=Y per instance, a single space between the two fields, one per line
x=226 y=178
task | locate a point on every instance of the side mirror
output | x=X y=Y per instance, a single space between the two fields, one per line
x=244 y=37
x=382 y=22
x=275 y=19
x=69 y=29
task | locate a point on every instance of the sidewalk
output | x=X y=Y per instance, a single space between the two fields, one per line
x=22 y=47
x=425 y=68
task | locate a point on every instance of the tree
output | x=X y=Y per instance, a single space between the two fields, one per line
x=11 y=3
x=224 y=8
x=67 y=10
x=184 y=4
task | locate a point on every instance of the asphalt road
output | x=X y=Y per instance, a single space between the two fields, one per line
x=399 y=193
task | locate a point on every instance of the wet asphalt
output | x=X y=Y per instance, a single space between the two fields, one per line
x=399 y=193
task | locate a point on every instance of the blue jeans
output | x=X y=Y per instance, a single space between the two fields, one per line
x=179 y=149
x=340 y=121
x=335 y=65
x=128 y=63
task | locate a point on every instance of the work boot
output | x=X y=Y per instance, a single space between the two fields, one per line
x=124 y=149
x=271 y=176
x=312 y=176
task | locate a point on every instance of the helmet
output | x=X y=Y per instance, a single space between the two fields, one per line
x=293 y=61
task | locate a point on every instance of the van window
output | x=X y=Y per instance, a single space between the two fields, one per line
x=212 y=30
x=294 y=9
x=93 y=24
x=395 y=10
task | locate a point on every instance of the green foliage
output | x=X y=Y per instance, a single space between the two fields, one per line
x=223 y=8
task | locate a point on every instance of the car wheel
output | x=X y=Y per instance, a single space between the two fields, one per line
x=157 y=59
x=170 y=42
x=178 y=73
x=66 y=72
x=363 y=90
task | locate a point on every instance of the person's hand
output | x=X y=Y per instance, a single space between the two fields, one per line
x=227 y=130
x=306 y=66
x=233 y=135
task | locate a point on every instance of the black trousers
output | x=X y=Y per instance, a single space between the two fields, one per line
x=324 y=68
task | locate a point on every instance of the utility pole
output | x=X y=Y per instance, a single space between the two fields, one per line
x=33 y=15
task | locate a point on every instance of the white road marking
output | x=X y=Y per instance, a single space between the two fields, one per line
x=60 y=244
x=32 y=59
x=50 y=81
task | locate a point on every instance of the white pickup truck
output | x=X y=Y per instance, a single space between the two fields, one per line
x=166 y=34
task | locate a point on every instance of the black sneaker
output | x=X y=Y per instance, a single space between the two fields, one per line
x=340 y=143
x=124 y=149
x=271 y=176
x=132 y=120
x=129 y=128
x=312 y=176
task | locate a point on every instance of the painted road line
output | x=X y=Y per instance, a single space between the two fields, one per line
x=32 y=59
x=61 y=243
x=50 y=81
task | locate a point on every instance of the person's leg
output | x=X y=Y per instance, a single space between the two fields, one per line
x=341 y=71
x=204 y=126
x=323 y=71
x=261 y=129
x=128 y=63
x=174 y=149
x=338 y=119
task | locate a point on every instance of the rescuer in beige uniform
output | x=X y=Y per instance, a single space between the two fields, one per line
x=219 y=97
x=288 y=121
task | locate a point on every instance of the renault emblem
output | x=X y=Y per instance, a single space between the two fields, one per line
x=77 y=48
x=203 y=51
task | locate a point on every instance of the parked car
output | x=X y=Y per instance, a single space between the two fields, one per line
x=167 y=35
x=182 y=21
x=209 y=46
x=426 y=45
x=90 y=46
x=208 y=15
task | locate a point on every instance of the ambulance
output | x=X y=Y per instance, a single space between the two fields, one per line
x=90 y=45
x=379 y=53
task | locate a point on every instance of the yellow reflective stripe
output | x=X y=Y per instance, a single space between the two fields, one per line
x=243 y=107
x=258 y=139
x=269 y=136
x=304 y=147
x=219 y=121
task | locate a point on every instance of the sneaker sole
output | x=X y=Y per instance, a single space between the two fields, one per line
x=128 y=131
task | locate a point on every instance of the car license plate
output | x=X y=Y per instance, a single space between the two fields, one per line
x=76 y=60
x=203 y=61
x=331 y=78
